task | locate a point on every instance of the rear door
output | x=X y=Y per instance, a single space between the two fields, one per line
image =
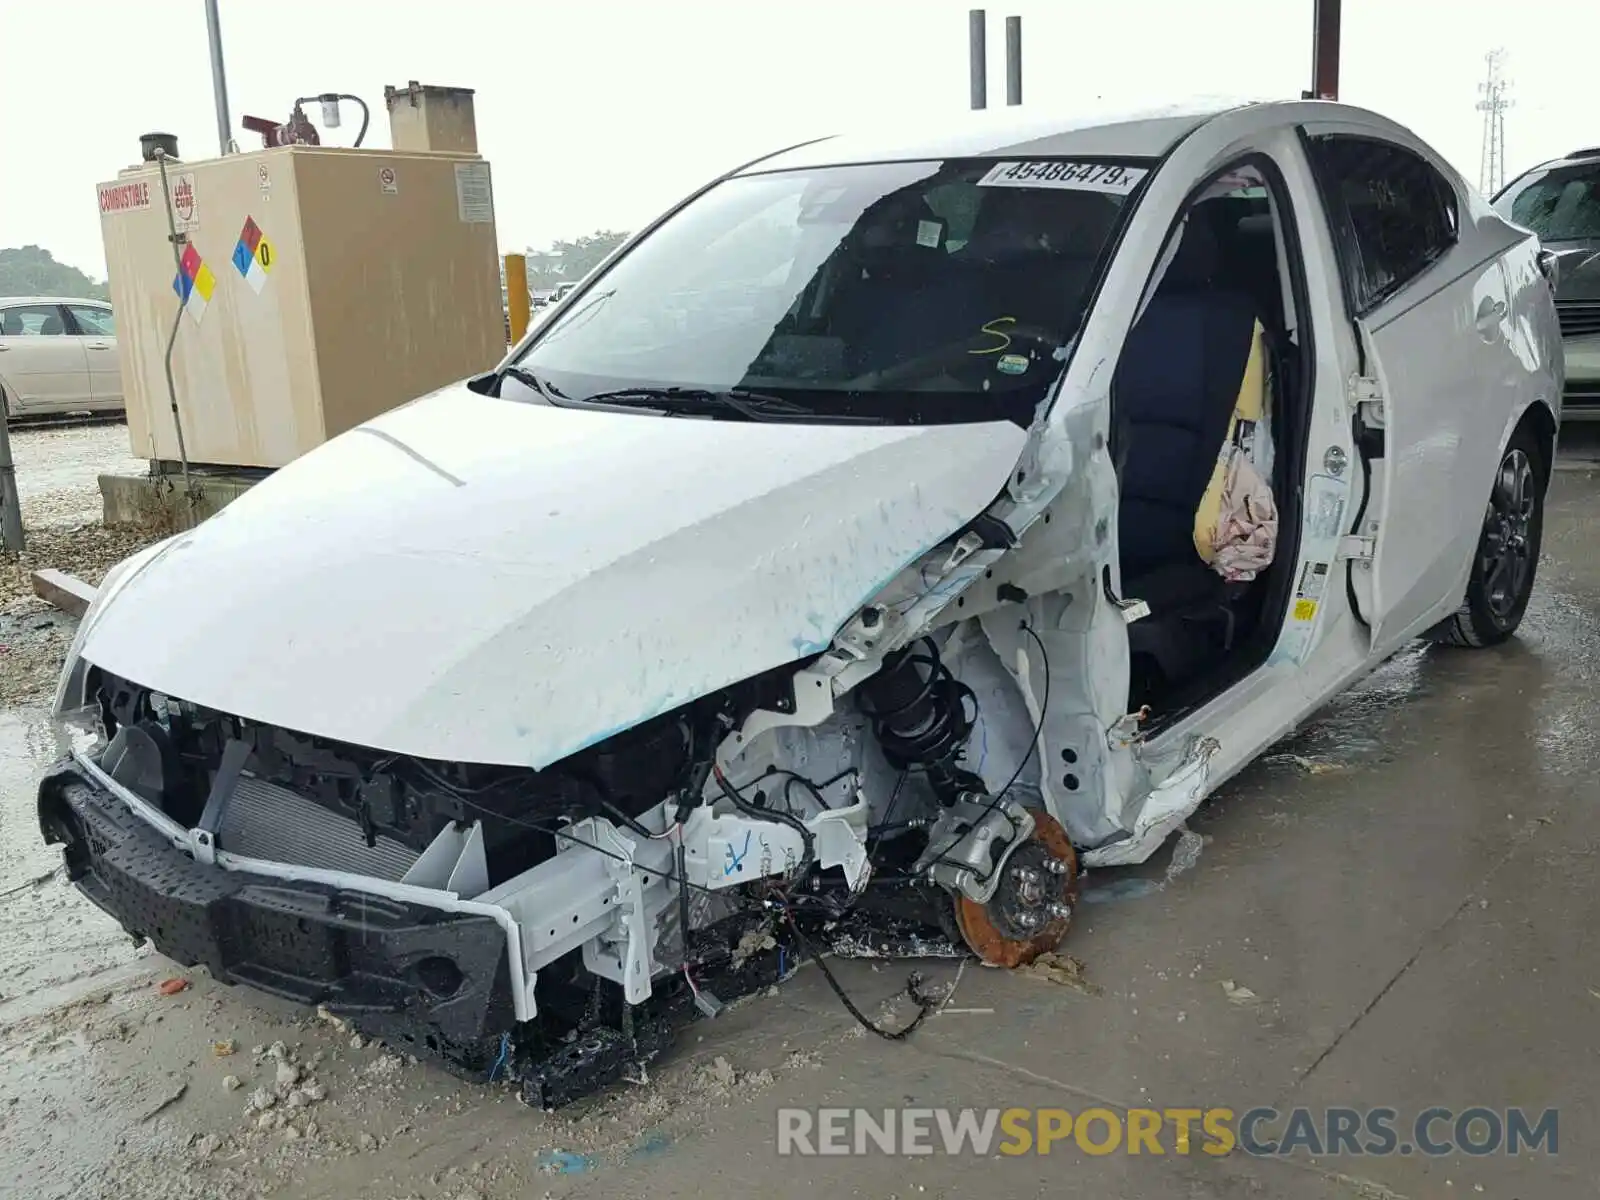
x=1431 y=316
x=43 y=366
x=96 y=332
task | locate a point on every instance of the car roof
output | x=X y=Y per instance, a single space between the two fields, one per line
x=7 y=301
x=1142 y=133
x=1588 y=156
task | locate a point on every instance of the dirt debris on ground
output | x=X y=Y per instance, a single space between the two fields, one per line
x=298 y=1099
x=1062 y=970
x=58 y=472
x=34 y=637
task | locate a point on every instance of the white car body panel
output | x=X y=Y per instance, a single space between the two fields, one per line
x=1445 y=414
x=426 y=584
x=423 y=586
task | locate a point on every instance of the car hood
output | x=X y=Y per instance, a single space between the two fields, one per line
x=482 y=580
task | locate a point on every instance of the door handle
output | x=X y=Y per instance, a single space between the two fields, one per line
x=98 y=346
x=3 y=349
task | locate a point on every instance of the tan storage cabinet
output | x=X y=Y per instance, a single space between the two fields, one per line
x=324 y=286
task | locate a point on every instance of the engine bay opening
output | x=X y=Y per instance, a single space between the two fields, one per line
x=646 y=880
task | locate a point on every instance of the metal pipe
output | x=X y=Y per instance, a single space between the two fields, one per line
x=1013 y=60
x=1325 y=51
x=219 y=79
x=324 y=97
x=177 y=318
x=10 y=502
x=979 y=61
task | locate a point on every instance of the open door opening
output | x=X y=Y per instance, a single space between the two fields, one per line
x=1210 y=408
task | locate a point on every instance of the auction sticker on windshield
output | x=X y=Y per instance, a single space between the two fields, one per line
x=1076 y=176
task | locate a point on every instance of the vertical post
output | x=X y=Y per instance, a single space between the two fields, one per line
x=1325 y=51
x=10 y=502
x=1013 y=60
x=979 y=51
x=517 y=295
x=219 y=79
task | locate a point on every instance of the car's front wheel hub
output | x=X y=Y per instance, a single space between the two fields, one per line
x=1033 y=900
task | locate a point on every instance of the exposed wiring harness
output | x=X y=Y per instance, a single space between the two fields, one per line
x=925 y=1003
x=707 y=770
x=465 y=799
x=1364 y=453
x=1033 y=747
x=776 y=816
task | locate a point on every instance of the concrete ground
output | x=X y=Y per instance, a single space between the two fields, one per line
x=1404 y=890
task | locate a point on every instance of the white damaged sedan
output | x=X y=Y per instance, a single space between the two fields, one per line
x=890 y=531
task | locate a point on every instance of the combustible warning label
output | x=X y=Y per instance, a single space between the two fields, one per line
x=253 y=255
x=124 y=197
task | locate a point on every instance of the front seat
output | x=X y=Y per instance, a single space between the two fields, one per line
x=908 y=298
x=1173 y=396
x=51 y=325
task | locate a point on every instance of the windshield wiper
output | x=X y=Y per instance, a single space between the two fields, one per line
x=754 y=406
x=545 y=389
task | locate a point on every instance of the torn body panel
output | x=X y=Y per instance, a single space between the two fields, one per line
x=896 y=788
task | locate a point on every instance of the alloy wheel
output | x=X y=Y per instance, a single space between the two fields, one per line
x=1505 y=556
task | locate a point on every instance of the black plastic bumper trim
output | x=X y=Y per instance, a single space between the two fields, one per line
x=436 y=981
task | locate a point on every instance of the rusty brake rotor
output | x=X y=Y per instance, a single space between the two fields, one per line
x=1025 y=918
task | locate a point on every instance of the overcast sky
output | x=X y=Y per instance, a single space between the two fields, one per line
x=599 y=113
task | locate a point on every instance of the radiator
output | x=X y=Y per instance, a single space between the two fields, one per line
x=263 y=820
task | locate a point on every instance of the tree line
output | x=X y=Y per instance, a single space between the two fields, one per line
x=33 y=271
x=568 y=261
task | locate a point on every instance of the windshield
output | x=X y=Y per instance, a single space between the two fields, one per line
x=923 y=291
x=1559 y=203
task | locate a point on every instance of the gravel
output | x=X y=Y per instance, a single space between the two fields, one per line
x=58 y=473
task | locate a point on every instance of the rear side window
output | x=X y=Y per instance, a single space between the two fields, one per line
x=1393 y=214
x=1560 y=204
x=31 y=320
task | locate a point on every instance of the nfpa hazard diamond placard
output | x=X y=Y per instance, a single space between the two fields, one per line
x=253 y=255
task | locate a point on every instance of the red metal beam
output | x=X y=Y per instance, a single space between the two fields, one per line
x=1325 y=51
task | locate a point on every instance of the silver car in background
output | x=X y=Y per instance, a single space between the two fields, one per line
x=57 y=355
x=1560 y=201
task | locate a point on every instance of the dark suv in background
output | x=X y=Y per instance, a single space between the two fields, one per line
x=1560 y=201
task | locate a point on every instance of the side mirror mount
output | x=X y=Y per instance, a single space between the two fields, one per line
x=1550 y=267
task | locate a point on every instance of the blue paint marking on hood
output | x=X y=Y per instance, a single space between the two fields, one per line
x=589 y=570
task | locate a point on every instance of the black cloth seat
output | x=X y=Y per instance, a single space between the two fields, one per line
x=1174 y=392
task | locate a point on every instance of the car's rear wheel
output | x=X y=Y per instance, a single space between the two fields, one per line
x=1507 y=557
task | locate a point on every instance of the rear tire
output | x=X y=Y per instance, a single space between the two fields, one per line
x=1506 y=560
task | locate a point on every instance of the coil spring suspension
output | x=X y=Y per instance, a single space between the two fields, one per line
x=919 y=714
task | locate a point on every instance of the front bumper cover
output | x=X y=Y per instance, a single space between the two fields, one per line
x=432 y=981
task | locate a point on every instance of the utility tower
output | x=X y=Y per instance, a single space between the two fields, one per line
x=1493 y=101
